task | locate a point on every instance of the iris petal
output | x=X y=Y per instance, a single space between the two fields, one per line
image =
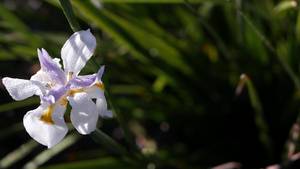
x=45 y=133
x=20 y=89
x=84 y=114
x=77 y=51
x=85 y=81
x=55 y=73
x=96 y=92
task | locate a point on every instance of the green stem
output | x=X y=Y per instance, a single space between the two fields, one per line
x=116 y=111
x=219 y=42
x=267 y=43
x=108 y=142
x=68 y=11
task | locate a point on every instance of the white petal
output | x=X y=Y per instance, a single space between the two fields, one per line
x=77 y=51
x=44 y=133
x=97 y=92
x=56 y=61
x=20 y=89
x=84 y=114
x=41 y=76
x=102 y=108
x=94 y=92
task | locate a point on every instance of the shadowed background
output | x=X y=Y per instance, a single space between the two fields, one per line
x=173 y=68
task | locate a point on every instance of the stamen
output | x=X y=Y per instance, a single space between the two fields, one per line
x=70 y=75
x=98 y=84
x=72 y=92
x=49 y=86
x=47 y=117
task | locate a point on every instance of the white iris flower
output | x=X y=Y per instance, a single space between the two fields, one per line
x=56 y=87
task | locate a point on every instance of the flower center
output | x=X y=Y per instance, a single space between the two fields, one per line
x=47 y=117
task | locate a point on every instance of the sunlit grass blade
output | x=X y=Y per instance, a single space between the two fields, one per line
x=284 y=6
x=129 y=32
x=105 y=163
x=68 y=10
x=46 y=155
x=16 y=155
x=259 y=117
x=161 y=1
x=298 y=28
x=100 y=19
x=18 y=26
x=113 y=29
x=268 y=44
x=19 y=104
x=11 y=130
x=219 y=42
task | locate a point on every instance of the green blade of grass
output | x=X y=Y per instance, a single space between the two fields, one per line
x=97 y=134
x=137 y=39
x=105 y=163
x=108 y=142
x=268 y=44
x=298 y=28
x=69 y=13
x=18 y=154
x=17 y=25
x=19 y=104
x=259 y=118
x=161 y=1
x=46 y=155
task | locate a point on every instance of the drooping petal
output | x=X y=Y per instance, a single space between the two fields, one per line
x=50 y=66
x=20 y=89
x=55 y=94
x=46 y=133
x=97 y=92
x=102 y=108
x=85 y=81
x=84 y=114
x=77 y=51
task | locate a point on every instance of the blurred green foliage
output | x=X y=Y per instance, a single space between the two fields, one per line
x=173 y=68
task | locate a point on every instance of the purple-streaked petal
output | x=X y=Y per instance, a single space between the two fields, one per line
x=55 y=94
x=85 y=81
x=48 y=134
x=84 y=114
x=77 y=51
x=20 y=89
x=50 y=66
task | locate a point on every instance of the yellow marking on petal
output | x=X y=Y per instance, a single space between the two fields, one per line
x=63 y=101
x=98 y=84
x=72 y=92
x=47 y=117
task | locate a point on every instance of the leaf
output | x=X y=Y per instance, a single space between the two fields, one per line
x=259 y=118
x=19 y=104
